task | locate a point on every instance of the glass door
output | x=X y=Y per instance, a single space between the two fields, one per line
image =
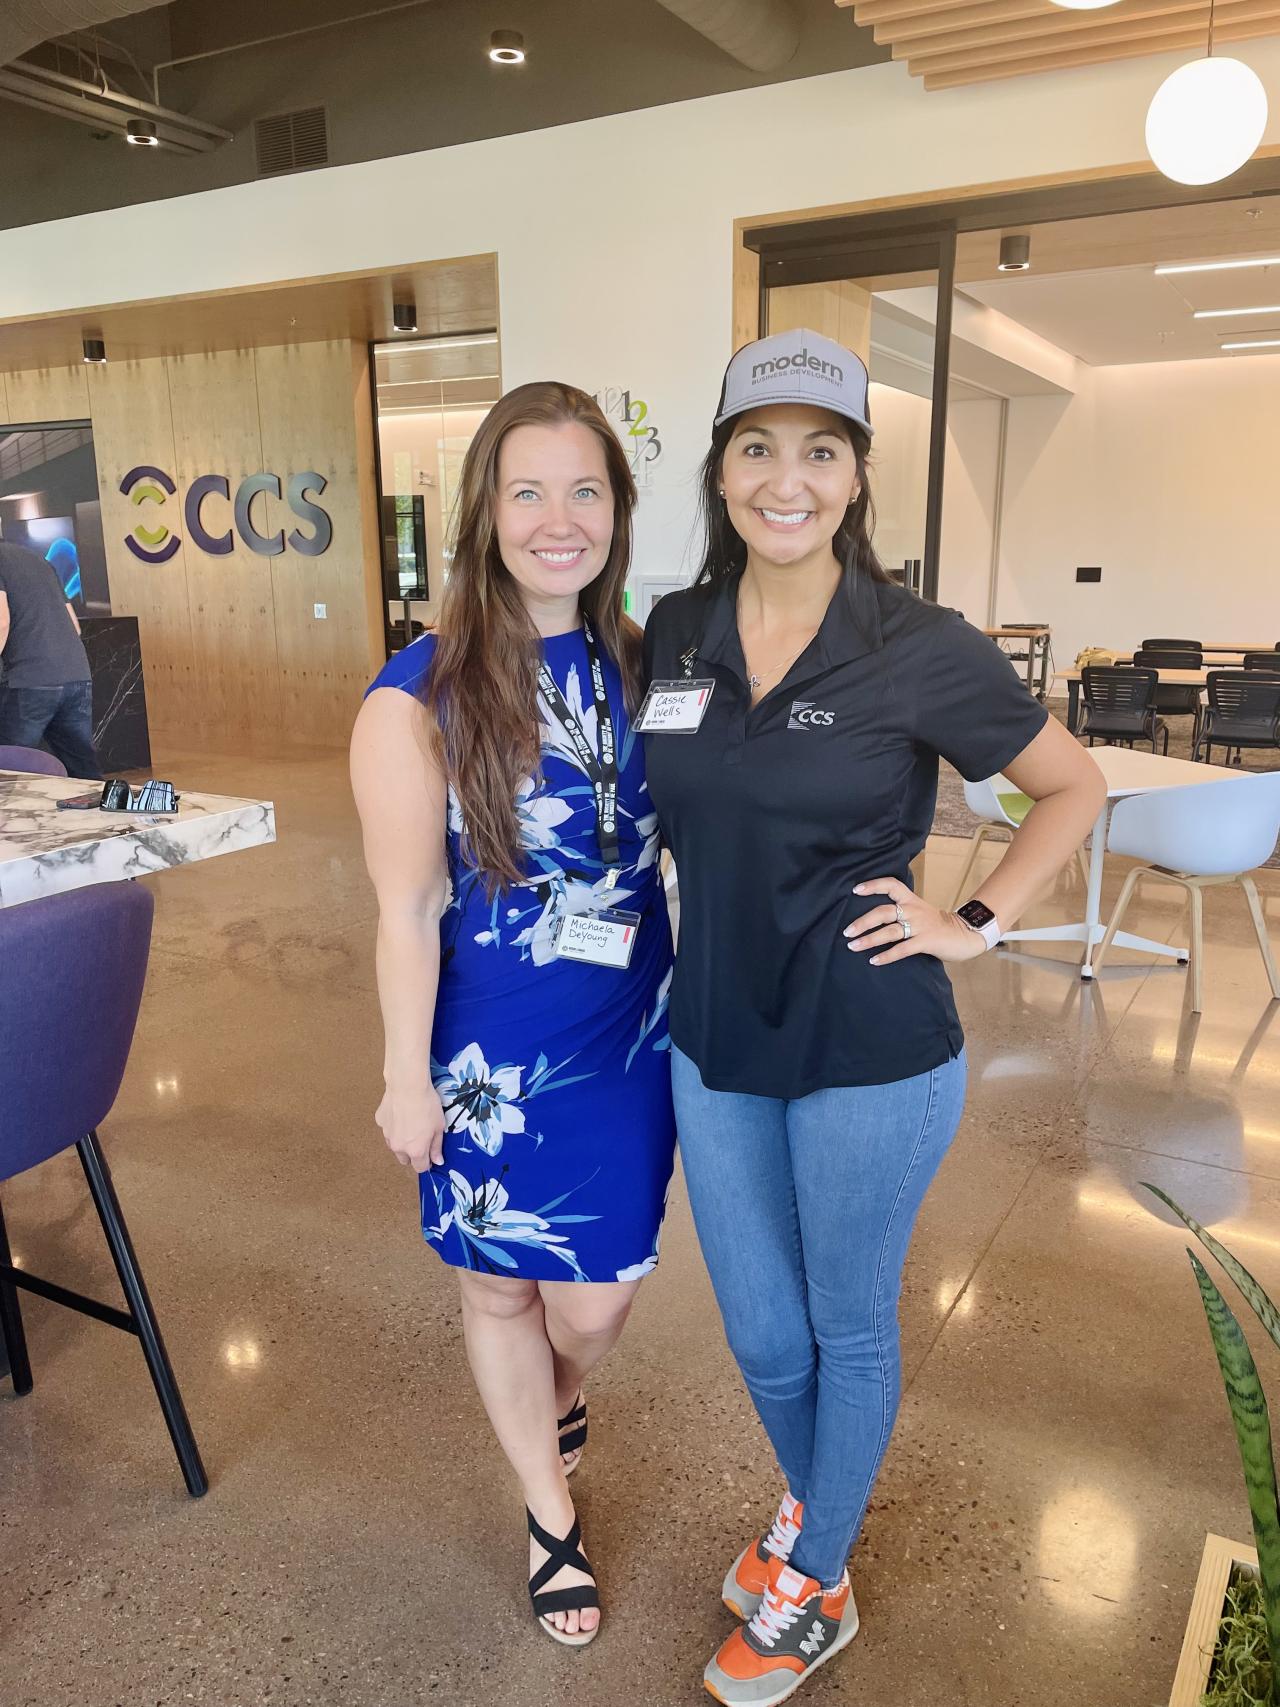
x=889 y=300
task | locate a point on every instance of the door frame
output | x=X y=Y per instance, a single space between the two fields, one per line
x=918 y=233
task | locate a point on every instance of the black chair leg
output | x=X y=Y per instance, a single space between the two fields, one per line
x=15 y=1339
x=107 y=1204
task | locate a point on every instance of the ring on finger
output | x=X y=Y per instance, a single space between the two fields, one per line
x=897 y=911
x=906 y=930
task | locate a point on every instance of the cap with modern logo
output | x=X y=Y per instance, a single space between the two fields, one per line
x=796 y=367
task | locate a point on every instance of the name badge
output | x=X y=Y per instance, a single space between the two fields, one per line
x=601 y=939
x=674 y=708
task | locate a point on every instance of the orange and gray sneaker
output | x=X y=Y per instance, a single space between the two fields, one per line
x=744 y=1586
x=798 y=1627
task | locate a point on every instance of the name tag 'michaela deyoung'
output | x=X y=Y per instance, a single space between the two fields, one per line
x=603 y=939
x=674 y=708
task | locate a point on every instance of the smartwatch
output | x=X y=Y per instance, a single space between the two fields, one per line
x=978 y=917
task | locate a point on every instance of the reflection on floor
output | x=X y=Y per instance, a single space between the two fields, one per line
x=1063 y=1447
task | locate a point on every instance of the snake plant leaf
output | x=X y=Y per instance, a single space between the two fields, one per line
x=1253 y=1294
x=1253 y=1433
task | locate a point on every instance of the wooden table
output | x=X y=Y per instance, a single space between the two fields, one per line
x=1126 y=772
x=1166 y=678
x=1037 y=636
x=44 y=851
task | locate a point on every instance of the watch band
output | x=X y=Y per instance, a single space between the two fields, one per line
x=990 y=932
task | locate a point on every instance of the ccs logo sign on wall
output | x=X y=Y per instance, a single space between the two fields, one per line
x=158 y=543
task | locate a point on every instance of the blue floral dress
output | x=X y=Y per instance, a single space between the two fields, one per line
x=554 y=1074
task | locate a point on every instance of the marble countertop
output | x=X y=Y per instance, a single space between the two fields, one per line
x=44 y=851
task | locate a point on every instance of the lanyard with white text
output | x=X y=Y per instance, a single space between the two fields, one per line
x=602 y=769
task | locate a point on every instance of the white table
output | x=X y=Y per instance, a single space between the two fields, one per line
x=44 y=851
x=1127 y=771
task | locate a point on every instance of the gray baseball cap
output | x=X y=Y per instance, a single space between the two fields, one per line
x=796 y=367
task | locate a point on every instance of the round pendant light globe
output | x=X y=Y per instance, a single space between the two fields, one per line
x=1083 y=5
x=1206 y=120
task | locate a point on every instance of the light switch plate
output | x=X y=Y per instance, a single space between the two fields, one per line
x=321 y=611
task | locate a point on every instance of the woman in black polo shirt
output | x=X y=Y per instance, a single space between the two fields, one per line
x=817 y=1056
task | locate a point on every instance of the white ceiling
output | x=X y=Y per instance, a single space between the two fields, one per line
x=1132 y=314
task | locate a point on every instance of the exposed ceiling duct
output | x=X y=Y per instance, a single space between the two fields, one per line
x=103 y=109
x=24 y=24
x=760 y=34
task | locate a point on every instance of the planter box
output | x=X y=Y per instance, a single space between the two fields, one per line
x=1219 y=1559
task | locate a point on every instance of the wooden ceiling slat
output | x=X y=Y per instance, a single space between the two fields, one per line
x=1063 y=60
x=950 y=43
x=971 y=47
x=992 y=14
x=1027 y=18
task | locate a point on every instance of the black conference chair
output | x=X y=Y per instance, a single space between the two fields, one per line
x=1243 y=711
x=1171 y=699
x=1120 y=705
x=1269 y=661
x=1172 y=646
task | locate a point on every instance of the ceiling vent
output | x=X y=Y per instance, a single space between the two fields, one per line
x=291 y=142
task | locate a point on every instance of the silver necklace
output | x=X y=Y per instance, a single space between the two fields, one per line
x=754 y=681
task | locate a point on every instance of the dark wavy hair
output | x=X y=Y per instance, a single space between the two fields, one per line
x=483 y=686
x=724 y=553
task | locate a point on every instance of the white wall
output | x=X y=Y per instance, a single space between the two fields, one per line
x=1164 y=473
x=614 y=237
x=900 y=483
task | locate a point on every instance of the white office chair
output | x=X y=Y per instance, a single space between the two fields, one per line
x=1000 y=806
x=1208 y=834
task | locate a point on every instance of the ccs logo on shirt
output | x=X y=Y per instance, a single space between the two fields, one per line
x=158 y=544
x=806 y=715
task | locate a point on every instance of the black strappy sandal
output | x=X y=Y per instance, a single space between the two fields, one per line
x=561 y=1552
x=575 y=1441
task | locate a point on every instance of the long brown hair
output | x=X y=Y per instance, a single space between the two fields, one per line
x=482 y=687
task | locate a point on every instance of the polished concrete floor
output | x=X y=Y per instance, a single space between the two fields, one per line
x=1063 y=1446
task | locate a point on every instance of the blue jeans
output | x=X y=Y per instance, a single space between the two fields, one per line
x=61 y=717
x=804 y=1210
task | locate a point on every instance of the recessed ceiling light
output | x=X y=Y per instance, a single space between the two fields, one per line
x=404 y=316
x=141 y=133
x=439 y=344
x=1227 y=313
x=1217 y=266
x=506 y=47
x=1255 y=344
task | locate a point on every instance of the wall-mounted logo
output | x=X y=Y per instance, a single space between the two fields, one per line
x=141 y=485
x=157 y=544
x=637 y=431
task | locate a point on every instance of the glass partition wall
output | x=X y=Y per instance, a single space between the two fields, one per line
x=431 y=395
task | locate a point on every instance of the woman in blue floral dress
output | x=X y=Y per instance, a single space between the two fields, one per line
x=501 y=792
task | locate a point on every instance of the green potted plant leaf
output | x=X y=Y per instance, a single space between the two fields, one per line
x=1242 y=1622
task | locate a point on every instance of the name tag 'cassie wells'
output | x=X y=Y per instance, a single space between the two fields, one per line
x=602 y=939
x=674 y=708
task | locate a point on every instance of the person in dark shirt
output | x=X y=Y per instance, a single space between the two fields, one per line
x=818 y=1062
x=46 y=694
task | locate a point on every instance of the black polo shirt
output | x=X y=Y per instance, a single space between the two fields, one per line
x=774 y=813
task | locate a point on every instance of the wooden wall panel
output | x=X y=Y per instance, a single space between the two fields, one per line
x=308 y=397
x=132 y=425
x=216 y=430
x=45 y=394
x=841 y=310
x=231 y=646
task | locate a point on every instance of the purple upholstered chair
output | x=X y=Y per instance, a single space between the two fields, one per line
x=31 y=759
x=72 y=966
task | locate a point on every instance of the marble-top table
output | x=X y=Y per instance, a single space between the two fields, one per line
x=44 y=851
